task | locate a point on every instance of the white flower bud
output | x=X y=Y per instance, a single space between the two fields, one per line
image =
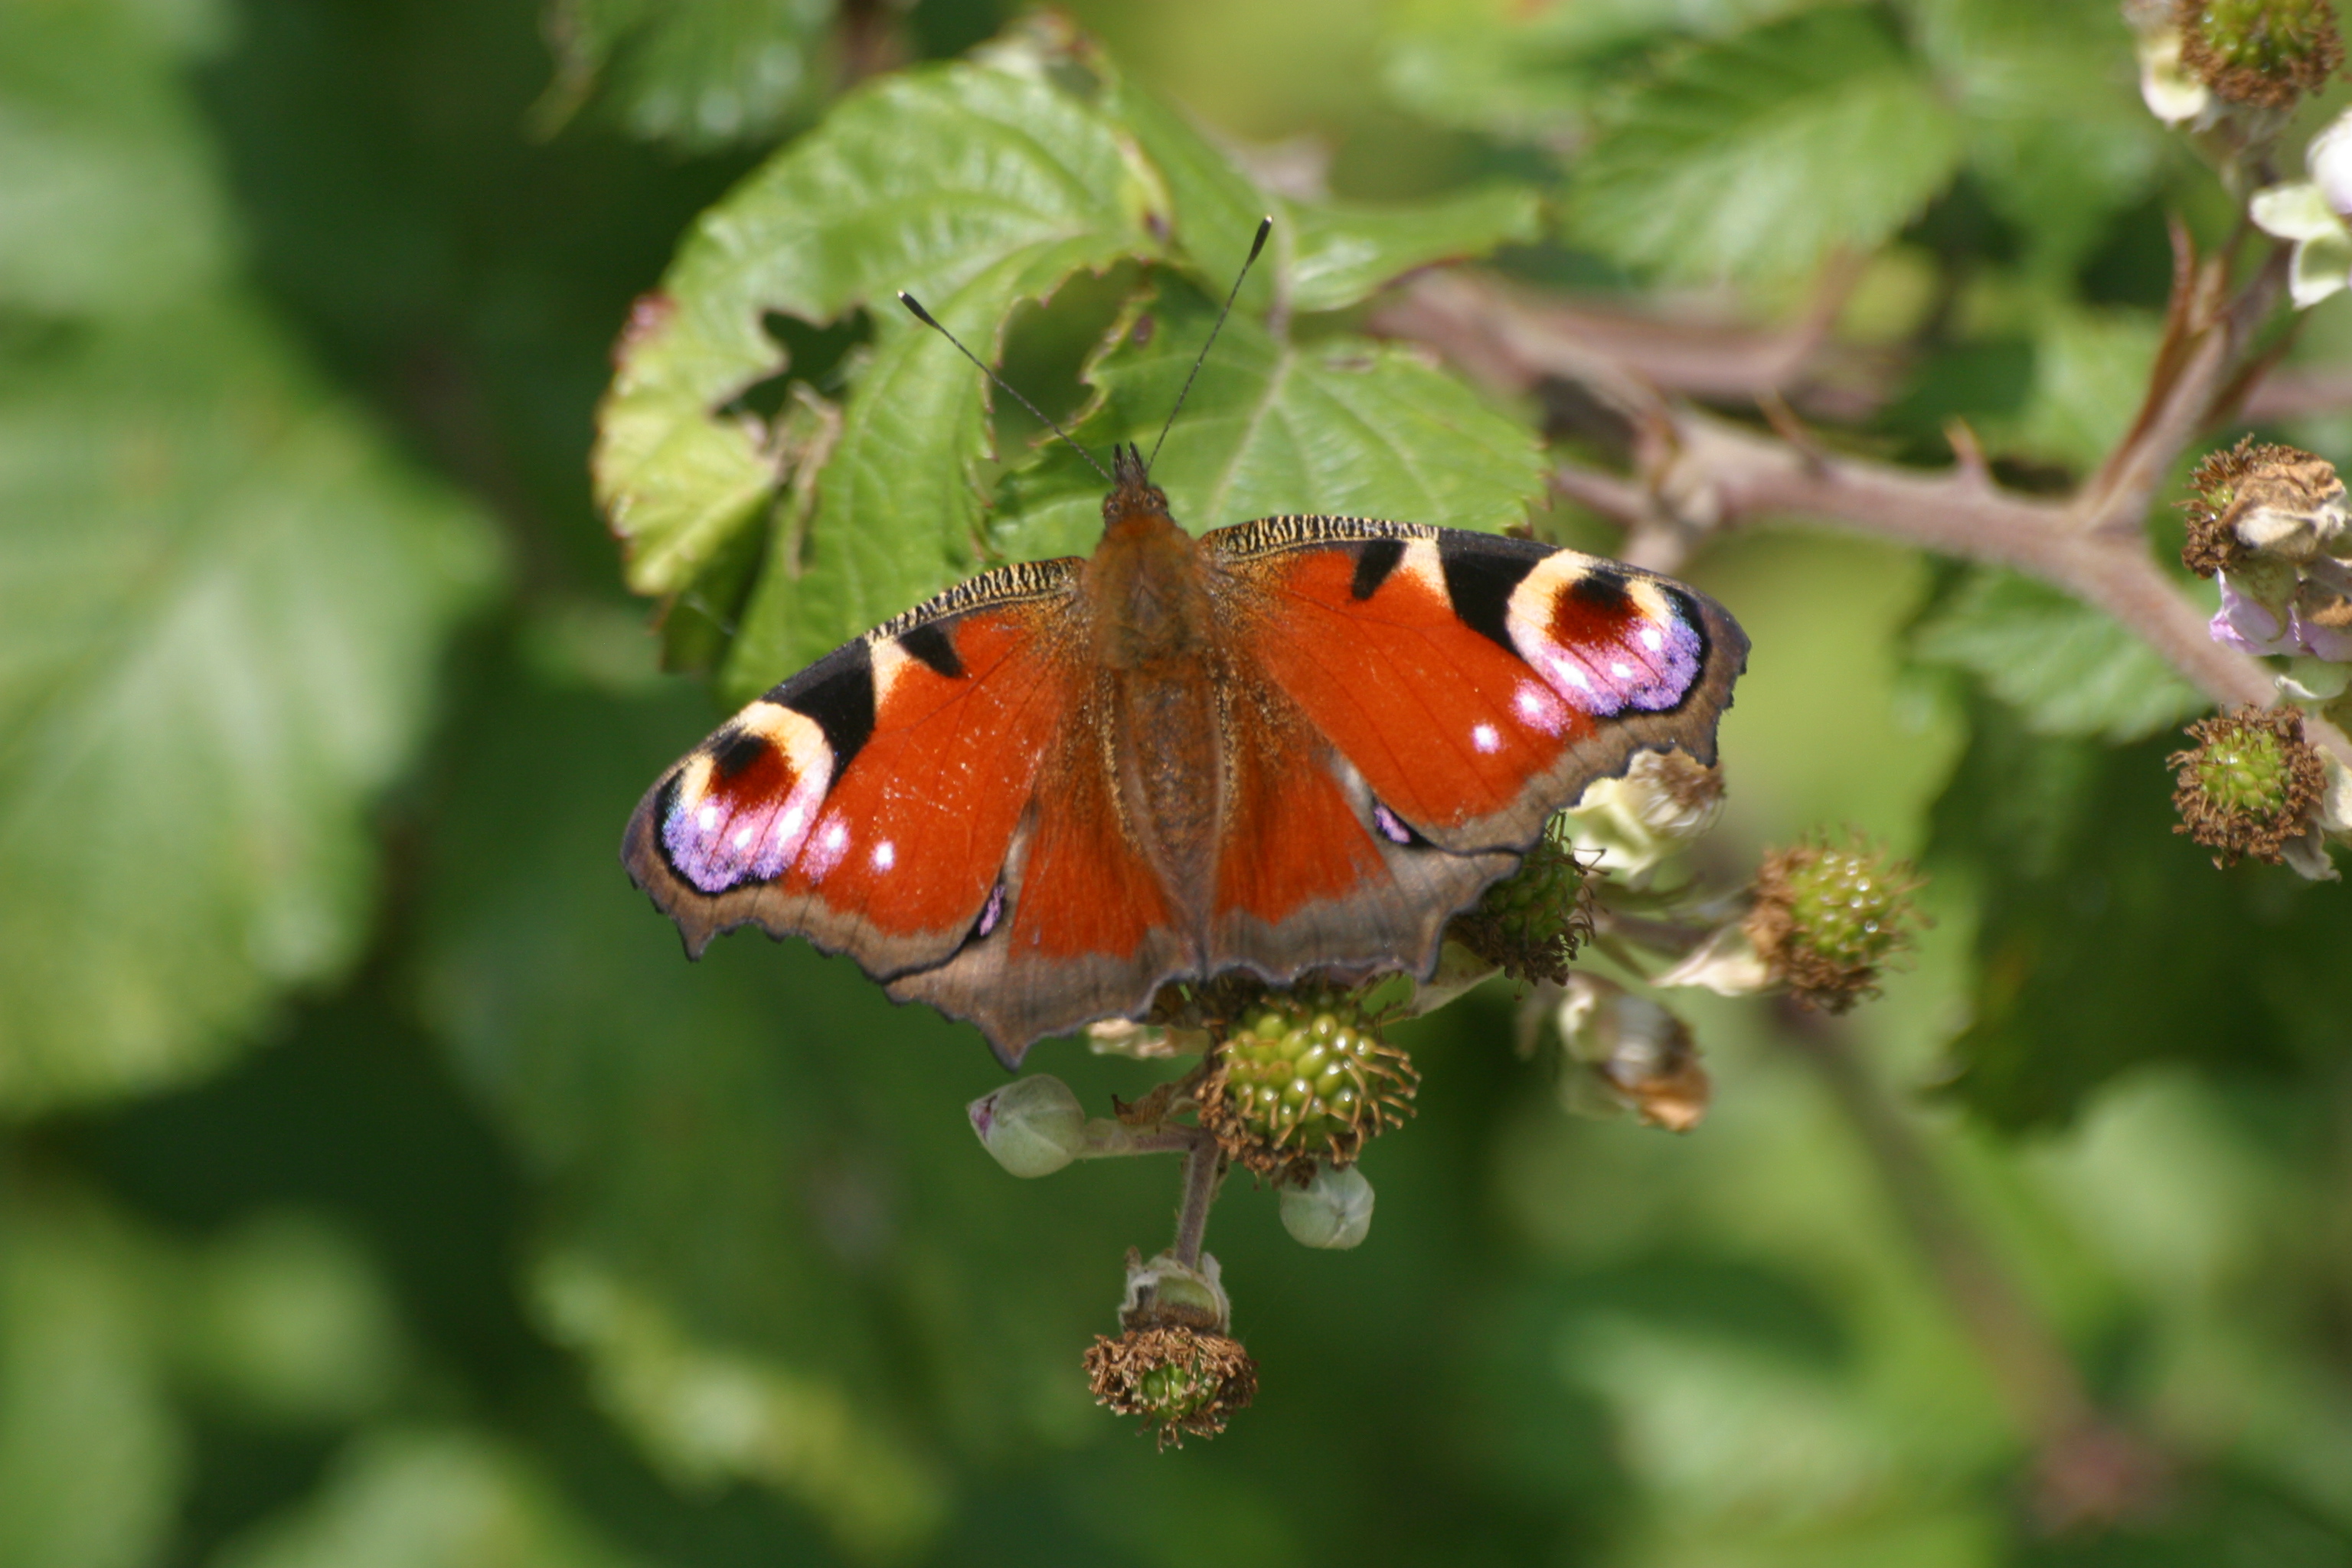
x=1032 y=1126
x=2329 y=158
x=2171 y=94
x=1725 y=963
x=1665 y=800
x=1333 y=1210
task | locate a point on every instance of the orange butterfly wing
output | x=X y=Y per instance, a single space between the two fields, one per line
x=870 y=802
x=931 y=800
x=1461 y=687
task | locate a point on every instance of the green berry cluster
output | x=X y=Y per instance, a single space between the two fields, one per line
x=1304 y=1078
x=2266 y=53
x=1827 y=919
x=1530 y=922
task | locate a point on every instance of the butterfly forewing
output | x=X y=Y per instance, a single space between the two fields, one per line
x=1478 y=682
x=871 y=802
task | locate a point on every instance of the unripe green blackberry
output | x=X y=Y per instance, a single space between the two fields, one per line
x=1303 y=1078
x=1826 y=919
x=2266 y=53
x=1530 y=922
x=2251 y=785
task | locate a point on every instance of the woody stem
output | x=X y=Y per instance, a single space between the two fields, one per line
x=1203 y=1170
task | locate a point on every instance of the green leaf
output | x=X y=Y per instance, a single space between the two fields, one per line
x=1338 y=426
x=975 y=186
x=1755 y=156
x=2106 y=942
x=701 y=76
x=286 y=1320
x=218 y=632
x=1059 y=167
x=91 y=1461
x=799 y=1432
x=426 y=1499
x=898 y=510
x=1534 y=73
x=2090 y=375
x=108 y=201
x=1322 y=256
x=2057 y=136
x=1213 y=206
x=2068 y=668
x=1342 y=254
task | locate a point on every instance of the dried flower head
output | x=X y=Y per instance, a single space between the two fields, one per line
x=1827 y=919
x=2259 y=498
x=1184 y=1382
x=2264 y=53
x=1304 y=1078
x=1530 y=923
x=2250 y=785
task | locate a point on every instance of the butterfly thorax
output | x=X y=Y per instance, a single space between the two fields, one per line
x=1146 y=583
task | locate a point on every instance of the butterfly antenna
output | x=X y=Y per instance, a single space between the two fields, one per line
x=915 y=308
x=1264 y=227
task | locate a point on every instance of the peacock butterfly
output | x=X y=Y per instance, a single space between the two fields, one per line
x=1298 y=744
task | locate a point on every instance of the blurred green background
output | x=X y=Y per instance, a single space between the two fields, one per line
x=379 y=1186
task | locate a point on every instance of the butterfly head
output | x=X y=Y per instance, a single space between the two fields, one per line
x=1135 y=504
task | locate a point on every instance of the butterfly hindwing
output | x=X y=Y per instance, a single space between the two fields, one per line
x=1312 y=871
x=1082 y=927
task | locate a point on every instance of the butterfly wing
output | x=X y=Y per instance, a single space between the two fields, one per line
x=934 y=800
x=1458 y=690
x=871 y=802
x=948 y=800
x=1313 y=872
x=1086 y=928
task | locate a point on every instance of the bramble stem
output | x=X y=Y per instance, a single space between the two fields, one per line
x=1203 y=1171
x=1109 y=1140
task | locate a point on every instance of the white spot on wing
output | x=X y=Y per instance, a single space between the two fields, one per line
x=1537 y=707
x=885 y=855
x=1485 y=738
x=707 y=817
x=1652 y=638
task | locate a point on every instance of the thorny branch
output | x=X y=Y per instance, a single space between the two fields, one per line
x=1694 y=473
x=1690 y=473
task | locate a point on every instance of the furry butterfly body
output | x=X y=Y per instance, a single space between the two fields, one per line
x=1296 y=744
